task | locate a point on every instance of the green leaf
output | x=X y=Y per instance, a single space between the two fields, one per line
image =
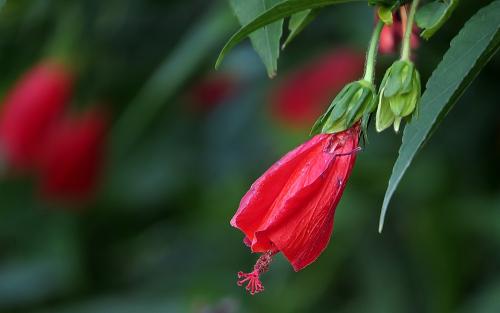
x=276 y=13
x=265 y=41
x=298 y=22
x=433 y=15
x=469 y=52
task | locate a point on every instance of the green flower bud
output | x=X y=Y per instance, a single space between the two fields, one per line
x=399 y=95
x=385 y=15
x=349 y=106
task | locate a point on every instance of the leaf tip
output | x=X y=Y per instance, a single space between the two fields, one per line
x=382 y=218
x=380 y=227
x=218 y=62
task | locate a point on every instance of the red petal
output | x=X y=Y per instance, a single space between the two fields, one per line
x=258 y=200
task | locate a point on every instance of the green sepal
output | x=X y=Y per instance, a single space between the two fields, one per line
x=384 y=116
x=340 y=104
x=407 y=76
x=348 y=107
x=356 y=110
x=394 y=80
x=385 y=15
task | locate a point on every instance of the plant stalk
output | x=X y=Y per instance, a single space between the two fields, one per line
x=406 y=47
x=371 y=56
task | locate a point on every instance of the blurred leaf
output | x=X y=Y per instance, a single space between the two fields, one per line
x=266 y=41
x=486 y=300
x=123 y=303
x=198 y=43
x=388 y=3
x=298 y=22
x=433 y=15
x=47 y=270
x=469 y=52
x=279 y=11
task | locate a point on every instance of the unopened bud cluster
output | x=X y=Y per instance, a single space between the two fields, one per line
x=399 y=95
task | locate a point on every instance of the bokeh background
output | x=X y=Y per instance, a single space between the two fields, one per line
x=182 y=145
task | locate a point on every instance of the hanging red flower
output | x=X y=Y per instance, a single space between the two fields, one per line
x=290 y=208
x=72 y=157
x=29 y=109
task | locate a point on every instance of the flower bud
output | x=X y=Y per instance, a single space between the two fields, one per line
x=353 y=102
x=399 y=95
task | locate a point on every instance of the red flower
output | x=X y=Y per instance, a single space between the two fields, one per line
x=305 y=93
x=72 y=157
x=30 y=109
x=290 y=208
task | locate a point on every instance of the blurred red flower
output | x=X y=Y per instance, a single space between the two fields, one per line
x=212 y=90
x=29 y=109
x=304 y=94
x=290 y=208
x=392 y=35
x=72 y=157
x=388 y=39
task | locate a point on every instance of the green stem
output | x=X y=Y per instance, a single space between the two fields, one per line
x=406 y=48
x=371 y=56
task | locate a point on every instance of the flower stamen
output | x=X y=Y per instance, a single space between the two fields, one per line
x=252 y=280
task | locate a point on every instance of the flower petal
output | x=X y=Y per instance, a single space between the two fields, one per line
x=262 y=194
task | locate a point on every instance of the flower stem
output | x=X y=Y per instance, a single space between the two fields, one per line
x=371 y=56
x=406 y=48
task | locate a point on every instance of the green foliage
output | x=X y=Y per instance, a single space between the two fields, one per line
x=276 y=13
x=432 y=16
x=266 y=41
x=469 y=52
